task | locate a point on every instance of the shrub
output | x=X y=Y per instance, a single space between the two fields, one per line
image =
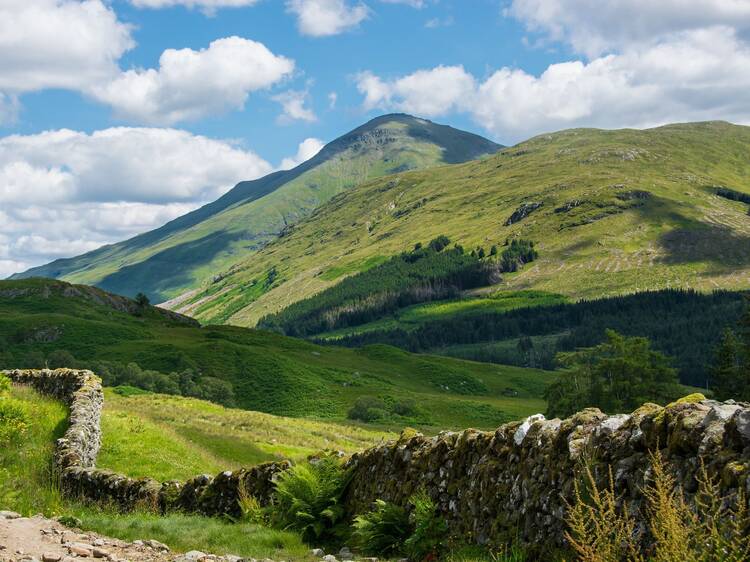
x=714 y=529
x=406 y=407
x=430 y=529
x=367 y=409
x=383 y=530
x=14 y=420
x=308 y=498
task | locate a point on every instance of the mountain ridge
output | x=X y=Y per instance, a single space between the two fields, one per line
x=612 y=212
x=168 y=260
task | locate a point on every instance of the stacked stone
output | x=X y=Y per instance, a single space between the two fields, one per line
x=515 y=483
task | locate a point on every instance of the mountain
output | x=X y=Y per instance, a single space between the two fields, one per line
x=47 y=321
x=609 y=212
x=190 y=249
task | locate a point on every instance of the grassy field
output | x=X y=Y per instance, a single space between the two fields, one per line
x=170 y=437
x=622 y=211
x=268 y=372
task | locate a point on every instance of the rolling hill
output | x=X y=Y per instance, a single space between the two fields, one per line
x=610 y=212
x=183 y=253
x=46 y=321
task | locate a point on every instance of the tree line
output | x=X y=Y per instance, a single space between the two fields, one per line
x=686 y=325
x=186 y=382
x=426 y=273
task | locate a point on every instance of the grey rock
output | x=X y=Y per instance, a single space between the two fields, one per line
x=51 y=557
x=317 y=552
x=329 y=558
x=9 y=515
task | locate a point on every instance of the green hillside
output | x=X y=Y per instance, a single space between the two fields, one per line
x=172 y=437
x=193 y=248
x=266 y=372
x=610 y=212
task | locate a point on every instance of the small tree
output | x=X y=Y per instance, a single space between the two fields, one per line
x=618 y=375
x=142 y=300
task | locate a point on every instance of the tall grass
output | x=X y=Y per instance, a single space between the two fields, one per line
x=28 y=483
x=712 y=528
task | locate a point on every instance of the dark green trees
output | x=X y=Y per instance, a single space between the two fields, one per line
x=731 y=372
x=618 y=375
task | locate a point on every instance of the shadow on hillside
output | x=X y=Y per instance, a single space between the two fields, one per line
x=168 y=269
x=704 y=242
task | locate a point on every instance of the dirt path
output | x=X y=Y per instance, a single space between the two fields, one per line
x=38 y=539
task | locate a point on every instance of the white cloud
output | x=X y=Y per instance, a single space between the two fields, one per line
x=307 y=149
x=67 y=44
x=293 y=104
x=333 y=97
x=209 y=7
x=696 y=75
x=435 y=23
x=425 y=92
x=64 y=192
x=593 y=27
x=191 y=84
x=320 y=18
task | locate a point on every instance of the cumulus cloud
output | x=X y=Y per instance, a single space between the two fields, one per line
x=425 y=92
x=593 y=27
x=191 y=84
x=696 y=75
x=67 y=44
x=320 y=18
x=64 y=192
x=307 y=149
x=294 y=106
x=413 y=3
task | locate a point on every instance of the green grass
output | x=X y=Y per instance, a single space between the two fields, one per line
x=27 y=482
x=192 y=532
x=269 y=372
x=682 y=236
x=169 y=437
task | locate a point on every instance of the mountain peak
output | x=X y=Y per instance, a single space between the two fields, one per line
x=190 y=250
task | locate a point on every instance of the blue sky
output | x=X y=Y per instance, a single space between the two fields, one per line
x=116 y=116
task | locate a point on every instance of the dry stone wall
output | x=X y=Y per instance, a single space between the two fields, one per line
x=491 y=486
x=76 y=451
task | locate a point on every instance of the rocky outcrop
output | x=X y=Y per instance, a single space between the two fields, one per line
x=514 y=482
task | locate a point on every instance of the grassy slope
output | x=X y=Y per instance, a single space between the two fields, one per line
x=683 y=235
x=273 y=373
x=26 y=486
x=180 y=255
x=169 y=437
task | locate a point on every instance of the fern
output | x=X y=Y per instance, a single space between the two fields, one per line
x=383 y=530
x=308 y=498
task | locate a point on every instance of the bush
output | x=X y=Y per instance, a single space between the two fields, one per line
x=250 y=509
x=14 y=421
x=407 y=407
x=382 y=531
x=367 y=409
x=430 y=529
x=308 y=498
